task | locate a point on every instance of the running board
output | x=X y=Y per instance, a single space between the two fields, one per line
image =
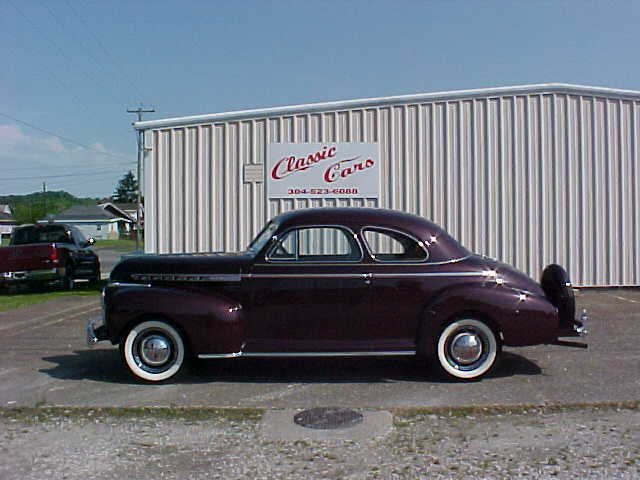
x=569 y=343
x=400 y=353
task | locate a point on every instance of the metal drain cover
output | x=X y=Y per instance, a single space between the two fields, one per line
x=327 y=418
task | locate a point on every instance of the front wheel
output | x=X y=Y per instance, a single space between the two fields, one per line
x=153 y=351
x=68 y=281
x=95 y=278
x=467 y=348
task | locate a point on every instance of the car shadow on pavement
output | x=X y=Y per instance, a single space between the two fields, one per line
x=342 y=370
x=103 y=365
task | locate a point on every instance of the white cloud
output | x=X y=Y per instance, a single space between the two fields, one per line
x=28 y=160
x=13 y=140
x=11 y=134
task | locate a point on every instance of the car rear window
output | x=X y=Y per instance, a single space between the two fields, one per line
x=392 y=246
x=44 y=234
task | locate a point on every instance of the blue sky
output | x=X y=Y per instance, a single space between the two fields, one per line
x=72 y=68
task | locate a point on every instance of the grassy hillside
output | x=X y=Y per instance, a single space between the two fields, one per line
x=36 y=206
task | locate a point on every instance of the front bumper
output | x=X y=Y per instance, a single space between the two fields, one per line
x=95 y=333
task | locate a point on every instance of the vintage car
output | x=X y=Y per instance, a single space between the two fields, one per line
x=332 y=282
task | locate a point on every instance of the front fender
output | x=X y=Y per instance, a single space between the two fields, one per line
x=211 y=323
x=521 y=318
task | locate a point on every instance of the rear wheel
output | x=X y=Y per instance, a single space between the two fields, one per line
x=467 y=348
x=153 y=351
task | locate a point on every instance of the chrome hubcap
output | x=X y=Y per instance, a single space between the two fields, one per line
x=155 y=350
x=466 y=348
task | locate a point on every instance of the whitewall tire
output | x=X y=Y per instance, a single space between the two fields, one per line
x=467 y=348
x=153 y=351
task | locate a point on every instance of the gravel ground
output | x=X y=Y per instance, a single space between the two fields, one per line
x=586 y=442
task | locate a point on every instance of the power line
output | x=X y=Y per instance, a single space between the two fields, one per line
x=91 y=78
x=66 y=165
x=65 y=86
x=114 y=155
x=104 y=49
x=35 y=177
x=77 y=41
x=55 y=184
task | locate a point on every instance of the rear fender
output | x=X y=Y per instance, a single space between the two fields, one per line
x=518 y=318
x=212 y=323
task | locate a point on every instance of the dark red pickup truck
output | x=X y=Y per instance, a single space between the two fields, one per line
x=48 y=253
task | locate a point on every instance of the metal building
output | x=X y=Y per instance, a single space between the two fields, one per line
x=530 y=175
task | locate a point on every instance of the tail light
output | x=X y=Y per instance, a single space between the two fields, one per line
x=53 y=255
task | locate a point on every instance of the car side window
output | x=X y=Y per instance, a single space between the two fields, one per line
x=315 y=244
x=391 y=246
x=79 y=237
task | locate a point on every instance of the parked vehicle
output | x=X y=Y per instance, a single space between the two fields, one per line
x=332 y=282
x=46 y=253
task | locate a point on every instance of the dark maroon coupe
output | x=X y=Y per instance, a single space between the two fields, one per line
x=332 y=282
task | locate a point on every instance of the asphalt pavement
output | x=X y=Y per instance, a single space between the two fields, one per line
x=45 y=361
x=108 y=259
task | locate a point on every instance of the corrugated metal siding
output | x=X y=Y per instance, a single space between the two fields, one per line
x=530 y=179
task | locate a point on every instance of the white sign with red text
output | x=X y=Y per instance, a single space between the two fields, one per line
x=323 y=170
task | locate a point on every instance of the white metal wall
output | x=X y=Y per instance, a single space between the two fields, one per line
x=528 y=178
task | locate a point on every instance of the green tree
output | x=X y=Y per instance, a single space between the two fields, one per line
x=127 y=189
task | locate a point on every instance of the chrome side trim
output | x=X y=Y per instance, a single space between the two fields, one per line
x=220 y=355
x=399 y=353
x=126 y=284
x=430 y=274
x=310 y=264
x=364 y=275
x=446 y=262
x=388 y=264
x=187 y=277
x=306 y=275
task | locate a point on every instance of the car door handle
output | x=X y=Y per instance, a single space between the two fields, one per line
x=367 y=278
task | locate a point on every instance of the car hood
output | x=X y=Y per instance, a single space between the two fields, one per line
x=180 y=266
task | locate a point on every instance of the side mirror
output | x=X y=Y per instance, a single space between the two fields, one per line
x=91 y=242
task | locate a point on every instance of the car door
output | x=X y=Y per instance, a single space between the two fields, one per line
x=399 y=285
x=309 y=293
x=84 y=258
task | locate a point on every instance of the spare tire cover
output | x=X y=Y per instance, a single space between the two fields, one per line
x=557 y=286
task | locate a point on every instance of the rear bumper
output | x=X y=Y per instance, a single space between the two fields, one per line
x=576 y=330
x=48 y=274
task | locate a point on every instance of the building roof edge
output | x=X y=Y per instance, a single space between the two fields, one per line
x=381 y=101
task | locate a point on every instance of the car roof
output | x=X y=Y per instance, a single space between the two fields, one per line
x=44 y=225
x=357 y=218
x=443 y=249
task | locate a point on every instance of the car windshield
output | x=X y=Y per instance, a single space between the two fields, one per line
x=40 y=234
x=263 y=237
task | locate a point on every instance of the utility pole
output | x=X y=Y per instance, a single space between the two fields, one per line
x=139 y=111
x=44 y=197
